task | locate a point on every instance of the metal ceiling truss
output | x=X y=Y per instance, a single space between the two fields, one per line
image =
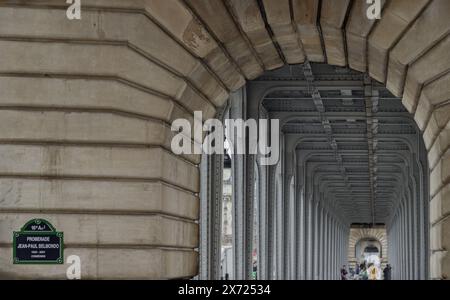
x=356 y=140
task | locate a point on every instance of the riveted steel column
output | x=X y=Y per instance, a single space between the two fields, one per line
x=238 y=166
x=271 y=195
x=301 y=237
x=315 y=268
x=321 y=244
x=279 y=234
x=328 y=248
x=309 y=240
x=263 y=257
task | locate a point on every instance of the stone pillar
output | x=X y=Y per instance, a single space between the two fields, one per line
x=88 y=145
x=440 y=223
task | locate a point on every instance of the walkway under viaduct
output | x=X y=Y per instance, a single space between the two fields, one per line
x=86 y=108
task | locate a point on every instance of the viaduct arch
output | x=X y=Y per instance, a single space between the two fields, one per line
x=86 y=107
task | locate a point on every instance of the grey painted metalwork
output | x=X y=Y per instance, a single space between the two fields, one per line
x=237 y=110
x=350 y=154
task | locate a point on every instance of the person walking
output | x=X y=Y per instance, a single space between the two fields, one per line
x=344 y=273
x=372 y=272
x=364 y=275
x=357 y=269
x=387 y=272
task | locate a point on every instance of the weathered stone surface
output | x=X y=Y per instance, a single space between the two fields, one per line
x=215 y=14
x=252 y=23
x=357 y=29
x=436 y=249
x=333 y=12
x=430 y=133
x=108 y=263
x=334 y=45
x=103 y=162
x=208 y=85
x=429 y=109
x=332 y=19
x=190 y=98
x=134 y=4
x=445 y=237
x=138 y=65
x=101 y=103
x=429 y=67
x=174 y=16
x=437 y=91
x=103 y=95
x=279 y=18
x=397 y=16
x=435 y=237
x=113 y=196
x=440 y=145
x=104 y=26
x=64 y=58
x=177 y=19
x=440 y=205
x=95 y=229
x=187 y=30
x=430 y=27
x=305 y=16
x=440 y=173
x=438 y=121
x=441 y=116
x=86 y=93
x=85 y=128
x=423 y=112
x=436 y=263
x=220 y=63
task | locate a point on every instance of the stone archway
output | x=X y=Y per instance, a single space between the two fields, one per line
x=89 y=103
x=359 y=234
